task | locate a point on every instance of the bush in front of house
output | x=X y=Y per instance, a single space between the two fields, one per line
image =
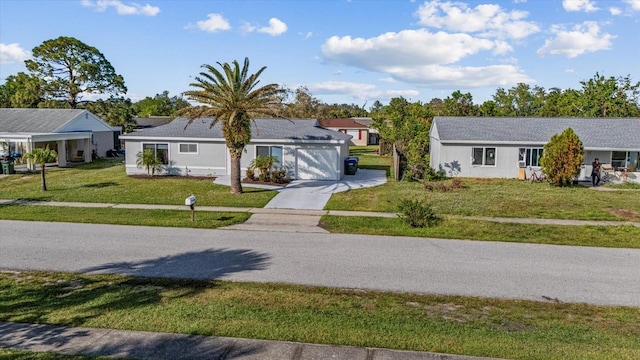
x=562 y=158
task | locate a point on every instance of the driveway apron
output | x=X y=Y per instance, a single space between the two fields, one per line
x=306 y=195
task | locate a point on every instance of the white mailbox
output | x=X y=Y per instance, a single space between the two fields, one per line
x=189 y=201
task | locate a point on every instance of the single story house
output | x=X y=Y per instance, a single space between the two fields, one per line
x=305 y=149
x=73 y=133
x=507 y=147
x=374 y=136
x=359 y=132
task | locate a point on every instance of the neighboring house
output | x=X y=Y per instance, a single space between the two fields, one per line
x=374 y=136
x=358 y=132
x=151 y=121
x=73 y=133
x=304 y=149
x=502 y=147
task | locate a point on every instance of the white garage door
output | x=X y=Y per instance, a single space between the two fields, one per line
x=316 y=164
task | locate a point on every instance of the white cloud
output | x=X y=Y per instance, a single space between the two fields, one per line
x=122 y=9
x=488 y=20
x=615 y=11
x=12 y=53
x=276 y=27
x=213 y=23
x=579 y=5
x=446 y=77
x=421 y=57
x=635 y=4
x=406 y=48
x=583 y=38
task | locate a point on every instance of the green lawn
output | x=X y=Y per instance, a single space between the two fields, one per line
x=28 y=355
x=367 y=159
x=142 y=217
x=600 y=236
x=498 y=198
x=105 y=181
x=447 y=324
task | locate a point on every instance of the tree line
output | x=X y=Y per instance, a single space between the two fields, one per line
x=65 y=69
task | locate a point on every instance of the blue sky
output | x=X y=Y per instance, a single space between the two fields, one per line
x=354 y=52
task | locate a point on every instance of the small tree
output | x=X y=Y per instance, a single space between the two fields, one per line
x=149 y=161
x=562 y=158
x=42 y=157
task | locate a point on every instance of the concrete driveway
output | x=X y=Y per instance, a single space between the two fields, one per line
x=314 y=194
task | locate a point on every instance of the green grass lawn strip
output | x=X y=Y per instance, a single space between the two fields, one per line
x=447 y=324
x=6 y=354
x=116 y=216
x=497 y=198
x=624 y=236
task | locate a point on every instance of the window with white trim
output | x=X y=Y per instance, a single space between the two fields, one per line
x=483 y=156
x=188 y=148
x=530 y=156
x=160 y=150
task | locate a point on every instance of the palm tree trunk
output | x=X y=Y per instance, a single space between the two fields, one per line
x=236 y=183
x=43 y=179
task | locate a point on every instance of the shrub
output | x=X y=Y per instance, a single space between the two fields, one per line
x=562 y=158
x=251 y=173
x=417 y=213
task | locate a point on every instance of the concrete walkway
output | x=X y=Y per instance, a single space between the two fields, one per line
x=161 y=346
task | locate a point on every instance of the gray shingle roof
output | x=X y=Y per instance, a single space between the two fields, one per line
x=596 y=133
x=267 y=129
x=36 y=120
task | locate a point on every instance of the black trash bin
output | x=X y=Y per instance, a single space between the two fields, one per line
x=7 y=167
x=350 y=165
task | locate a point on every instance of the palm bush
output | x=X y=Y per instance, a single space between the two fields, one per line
x=41 y=156
x=148 y=160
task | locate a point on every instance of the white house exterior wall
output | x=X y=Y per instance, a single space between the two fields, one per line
x=210 y=159
x=103 y=141
x=455 y=159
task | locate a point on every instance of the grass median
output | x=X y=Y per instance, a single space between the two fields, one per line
x=29 y=355
x=625 y=236
x=114 y=216
x=447 y=324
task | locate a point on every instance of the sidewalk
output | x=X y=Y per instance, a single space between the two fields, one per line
x=265 y=219
x=161 y=346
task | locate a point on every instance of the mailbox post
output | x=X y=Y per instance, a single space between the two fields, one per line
x=191 y=202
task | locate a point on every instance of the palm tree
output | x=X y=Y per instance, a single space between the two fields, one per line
x=41 y=156
x=149 y=161
x=231 y=98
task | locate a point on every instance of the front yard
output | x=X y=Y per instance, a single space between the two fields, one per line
x=105 y=181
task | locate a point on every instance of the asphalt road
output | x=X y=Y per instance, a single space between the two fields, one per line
x=493 y=269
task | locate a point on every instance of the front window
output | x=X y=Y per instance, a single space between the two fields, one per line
x=188 y=148
x=625 y=159
x=483 y=156
x=160 y=150
x=275 y=151
x=530 y=156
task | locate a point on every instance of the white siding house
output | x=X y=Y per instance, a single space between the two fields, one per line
x=305 y=150
x=494 y=147
x=73 y=133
